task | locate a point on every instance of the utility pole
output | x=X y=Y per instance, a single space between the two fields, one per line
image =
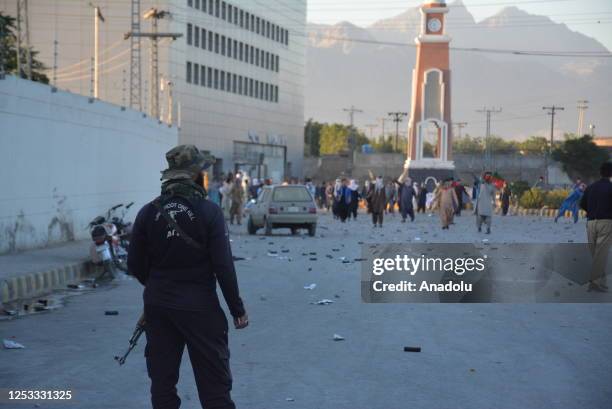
x=154 y=15
x=371 y=127
x=460 y=126
x=123 y=90
x=54 y=81
x=582 y=106
x=383 y=122
x=92 y=81
x=97 y=18
x=23 y=36
x=552 y=111
x=135 y=60
x=397 y=117
x=352 y=110
x=488 y=148
x=351 y=137
x=170 y=85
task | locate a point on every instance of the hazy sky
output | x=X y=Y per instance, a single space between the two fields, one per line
x=579 y=15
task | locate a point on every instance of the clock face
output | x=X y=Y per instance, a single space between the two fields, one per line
x=434 y=25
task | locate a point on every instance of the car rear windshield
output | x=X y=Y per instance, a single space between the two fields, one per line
x=291 y=194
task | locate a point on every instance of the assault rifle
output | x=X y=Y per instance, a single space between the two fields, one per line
x=137 y=333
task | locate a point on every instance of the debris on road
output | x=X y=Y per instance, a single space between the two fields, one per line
x=412 y=349
x=111 y=312
x=310 y=286
x=324 y=301
x=8 y=344
x=338 y=337
x=290 y=400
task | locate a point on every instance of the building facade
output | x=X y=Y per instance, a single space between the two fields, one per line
x=233 y=81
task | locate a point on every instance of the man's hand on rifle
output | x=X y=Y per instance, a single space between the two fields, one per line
x=241 y=322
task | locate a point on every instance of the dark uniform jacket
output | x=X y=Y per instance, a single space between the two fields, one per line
x=597 y=200
x=175 y=274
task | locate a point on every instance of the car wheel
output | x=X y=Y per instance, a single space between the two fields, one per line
x=251 y=227
x=268 y=227
x=312 y=229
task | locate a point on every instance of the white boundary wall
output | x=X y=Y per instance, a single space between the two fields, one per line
x=64 y=160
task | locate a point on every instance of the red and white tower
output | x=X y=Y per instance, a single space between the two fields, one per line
x=430 y=126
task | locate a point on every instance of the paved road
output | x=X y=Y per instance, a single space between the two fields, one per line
x=474 y=356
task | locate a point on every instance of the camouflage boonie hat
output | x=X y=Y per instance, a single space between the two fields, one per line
x=186 y=161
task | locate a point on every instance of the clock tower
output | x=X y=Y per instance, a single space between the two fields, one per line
x=430 y=126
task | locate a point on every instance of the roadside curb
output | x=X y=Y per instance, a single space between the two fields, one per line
x=543 y=212
x=34 y=284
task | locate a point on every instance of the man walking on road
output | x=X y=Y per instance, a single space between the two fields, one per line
x=597 y=202
x=484 y=203
x=178 y=251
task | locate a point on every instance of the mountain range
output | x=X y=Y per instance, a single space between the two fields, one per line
x=371 y=68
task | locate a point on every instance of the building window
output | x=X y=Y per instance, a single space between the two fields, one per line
x=286 y=37
x=235 y=15
x=277 y=33
x=223 y=15
x=235 y=49
x=189 y=3
x=257 y=25
x=241 y=46
x=209 y=77
x=268 y=29
x=189 y=30
x=229 y=13
x=196 y=74
x=241 y=19
x=247 y=24
x=252 y=54
x=234 y=83
x=188 y=74
x=229 y=47
x=277 y=63
x=210 y=41
x=240 y=84
x=203 y=42
x=216 y=78
x=210 y=7
x=256 y=89
x=272 y=62
x=204 y=6
x=197 y=4
x=257 y=56
x=196 y=36
x=217 y=43
x=252 y=23
x=251 y=87
x=222 y=83
x=266 y=92
x=202 y=73
x=217 y=11
x=228 y=81
x=222 y=45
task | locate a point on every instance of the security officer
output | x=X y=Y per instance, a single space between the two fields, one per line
x=178 y=251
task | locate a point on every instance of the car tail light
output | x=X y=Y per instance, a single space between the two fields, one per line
x=312 y=210
x=273 y=210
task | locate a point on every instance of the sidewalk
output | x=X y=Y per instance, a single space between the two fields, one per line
x=34 y=272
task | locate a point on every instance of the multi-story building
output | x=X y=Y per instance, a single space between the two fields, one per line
x=233 y=82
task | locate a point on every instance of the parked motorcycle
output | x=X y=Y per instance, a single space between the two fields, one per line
x=110 y=239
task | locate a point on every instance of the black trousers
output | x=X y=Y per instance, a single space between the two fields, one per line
x=205 y=335
x=377 y=218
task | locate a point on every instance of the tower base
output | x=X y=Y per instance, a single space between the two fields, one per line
x=425 y=170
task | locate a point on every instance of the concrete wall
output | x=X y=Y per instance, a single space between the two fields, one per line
x=511 y=166
x=64 y=160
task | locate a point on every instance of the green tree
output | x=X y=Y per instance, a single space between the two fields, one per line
x=501 y=145
x=334 y=139
x=534 y=144
x=8 y=48
x=312 y=135
x=382 y=145
x=580 y=157
x=467 y=144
